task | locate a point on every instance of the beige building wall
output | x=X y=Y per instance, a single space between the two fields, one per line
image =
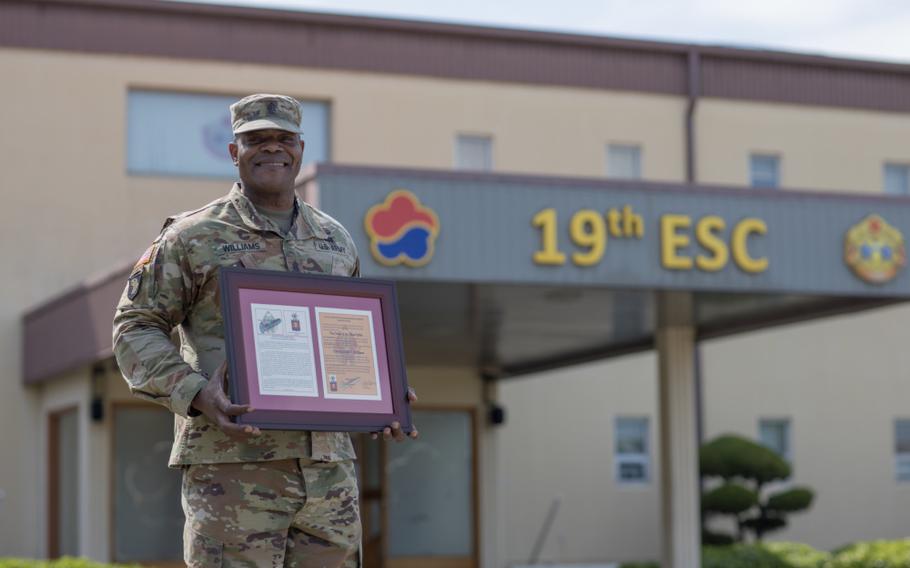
x=558 y=443
x=831 y=149
x=842 y=383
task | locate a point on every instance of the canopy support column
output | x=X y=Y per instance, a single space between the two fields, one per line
x=678 y=431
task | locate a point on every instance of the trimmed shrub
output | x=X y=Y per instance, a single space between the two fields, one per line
x=745 y=468
x=733 y=456
x=716 y=538
x=794 y=499
x=729 y=499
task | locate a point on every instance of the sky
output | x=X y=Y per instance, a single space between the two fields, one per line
x=865 y=29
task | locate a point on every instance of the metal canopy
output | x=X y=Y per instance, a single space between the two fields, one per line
x=510 y=330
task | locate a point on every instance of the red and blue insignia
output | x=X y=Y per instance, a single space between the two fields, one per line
x=402 y=230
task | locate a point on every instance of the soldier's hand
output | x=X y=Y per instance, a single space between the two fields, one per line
x=215 y=405
x=394 y=432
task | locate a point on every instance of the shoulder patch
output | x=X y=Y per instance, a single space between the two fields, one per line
x=133 y=284
x=146 y=257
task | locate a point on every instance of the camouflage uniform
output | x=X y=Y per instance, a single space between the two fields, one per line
x=274 y=499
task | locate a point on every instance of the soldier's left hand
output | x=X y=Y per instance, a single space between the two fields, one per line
x=394 y=432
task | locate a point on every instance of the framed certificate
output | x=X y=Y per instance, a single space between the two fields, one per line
x=312 y=352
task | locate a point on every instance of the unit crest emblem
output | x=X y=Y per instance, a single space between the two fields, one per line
x=402 y=230
x=874 y=250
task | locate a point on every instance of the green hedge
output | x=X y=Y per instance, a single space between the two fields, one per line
x=65 y=562
x=876 y=554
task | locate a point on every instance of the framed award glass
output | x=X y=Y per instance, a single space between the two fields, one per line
x=313 y=352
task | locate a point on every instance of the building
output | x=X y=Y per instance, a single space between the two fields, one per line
x=105 y=92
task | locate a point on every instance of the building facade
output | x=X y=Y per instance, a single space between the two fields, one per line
x=94 y=163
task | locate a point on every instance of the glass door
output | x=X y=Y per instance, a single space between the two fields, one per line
x=432 y=494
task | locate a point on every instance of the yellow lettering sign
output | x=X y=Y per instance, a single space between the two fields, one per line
x=588 y=230
x=739 y=244
x=671 y=240
x=708 y=233
x=545 y=220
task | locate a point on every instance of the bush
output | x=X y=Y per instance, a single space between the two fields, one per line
x=875 y=554
x=731 y=456
x=745 y=468
x=761 y=555
x=65 y=562
x=729 y=499
x=794 y=499
x=798 y=555
x=740 y=556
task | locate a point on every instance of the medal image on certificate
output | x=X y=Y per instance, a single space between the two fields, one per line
x=348 y=347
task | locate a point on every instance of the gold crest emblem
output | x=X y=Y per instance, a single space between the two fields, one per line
x=874 y=250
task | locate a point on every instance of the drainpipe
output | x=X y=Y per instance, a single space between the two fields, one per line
x=694 y=68
x=694 y=91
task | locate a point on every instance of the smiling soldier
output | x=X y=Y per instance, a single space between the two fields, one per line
x=251 y=497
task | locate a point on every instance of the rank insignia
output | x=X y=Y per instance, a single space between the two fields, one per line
x=133 y=284
x=874 y=250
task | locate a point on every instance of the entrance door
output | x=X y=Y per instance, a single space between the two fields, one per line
x=63 y=481
x=431 y=504
x=147 y=519
x=371 y=474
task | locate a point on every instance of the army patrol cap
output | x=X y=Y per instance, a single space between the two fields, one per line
x=262 y=111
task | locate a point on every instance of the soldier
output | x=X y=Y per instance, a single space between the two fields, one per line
x=251 y=497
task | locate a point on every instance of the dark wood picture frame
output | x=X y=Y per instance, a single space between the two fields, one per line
x=233 y=280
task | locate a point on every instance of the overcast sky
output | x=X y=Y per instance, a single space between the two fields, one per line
x=869 y=29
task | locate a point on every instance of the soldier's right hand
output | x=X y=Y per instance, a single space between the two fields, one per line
x=215 y=405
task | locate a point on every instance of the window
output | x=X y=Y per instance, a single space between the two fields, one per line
x=473 y=153
x=633 y=463
x=764 y=170
x=902 y=449
x=897 y=179
x=623 y=161
x=188 y=134
x=775 y=435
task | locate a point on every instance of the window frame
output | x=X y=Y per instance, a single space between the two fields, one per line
x=475 y=137
x=787 y=455
x=904 y=170
x=637 y=458
x=901 y=458
x=622 y=146
x=754 y=157
x=132 y=170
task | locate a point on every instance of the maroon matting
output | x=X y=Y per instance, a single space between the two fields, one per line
x=243 y=289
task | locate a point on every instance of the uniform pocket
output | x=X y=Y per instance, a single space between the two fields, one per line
x=200 y=551
x=342 y=265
